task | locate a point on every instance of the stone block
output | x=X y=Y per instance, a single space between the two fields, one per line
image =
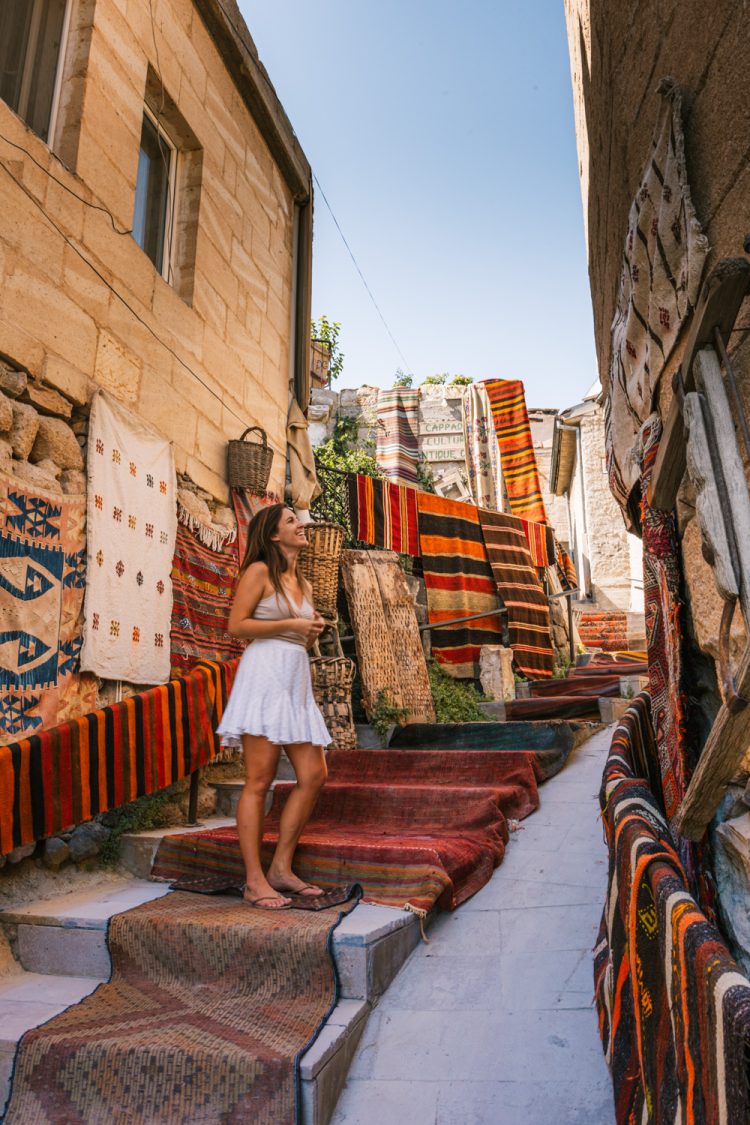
x=45 y=400
x=56 y=441
x=117 y=368
x=496 y=672
x=6 y=455
x=73 y=482
x=87 y=840
x=324 y=1068
x=22 y=852
x=68 y=379
x=56 y=853
x=12 y=382
x=64 y=951
x=39 y=476
x=612 y=709
x=6 y=414
x=23 y=430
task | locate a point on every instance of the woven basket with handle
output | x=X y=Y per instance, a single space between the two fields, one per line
x=332 y=678
x=319 y=563
x=249 y=462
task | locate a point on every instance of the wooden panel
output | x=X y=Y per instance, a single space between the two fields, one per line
x=721 y=296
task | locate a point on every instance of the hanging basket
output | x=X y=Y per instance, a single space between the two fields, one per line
x=249 y=462
x=332 y=679
x=319 y=563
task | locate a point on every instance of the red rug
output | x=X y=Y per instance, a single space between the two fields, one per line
x=409 y=833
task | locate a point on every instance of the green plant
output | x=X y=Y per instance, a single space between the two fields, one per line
x=341 y=451
x=455 y=701
x=435 y=380
x=402 y=379
x=425 y=476
x=562 y=664
x=461 y=380
x=327 y=332
x=156 y=810
x=385 y=714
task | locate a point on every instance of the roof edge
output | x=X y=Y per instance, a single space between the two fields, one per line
x=227 y=28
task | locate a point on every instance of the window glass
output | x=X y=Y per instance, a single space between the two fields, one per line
x=31 y=34
x=152 y=192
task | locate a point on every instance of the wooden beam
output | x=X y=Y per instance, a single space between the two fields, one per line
x=725 y=748
x=719 y=302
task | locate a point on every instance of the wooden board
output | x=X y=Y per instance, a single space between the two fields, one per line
x=404 y=637
x=719 y=302
x=386 y=634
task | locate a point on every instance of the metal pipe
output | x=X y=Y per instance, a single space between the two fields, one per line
x=502 y=612
x=570 y=633
x=192 y=816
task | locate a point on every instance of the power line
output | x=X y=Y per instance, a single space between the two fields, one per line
x=64 y=186
x=362 y=276
x=77 y=250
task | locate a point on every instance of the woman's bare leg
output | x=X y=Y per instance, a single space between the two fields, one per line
x=261 y=760
x=310 y=767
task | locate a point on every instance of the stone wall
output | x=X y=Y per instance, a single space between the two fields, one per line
x=170 y=352
x=616 y=105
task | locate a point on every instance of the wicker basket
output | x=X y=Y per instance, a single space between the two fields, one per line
x=319 y=563
x=249 y=462
x=332 y=679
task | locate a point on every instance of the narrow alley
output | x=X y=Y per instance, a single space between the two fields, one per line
x=494 y=1020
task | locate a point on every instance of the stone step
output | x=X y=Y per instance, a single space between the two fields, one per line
x=66 y=936
x=28 y=1000
x=60 y=944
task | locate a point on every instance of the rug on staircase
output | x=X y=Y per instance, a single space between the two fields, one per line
x=208 y=1010
x=407 y=831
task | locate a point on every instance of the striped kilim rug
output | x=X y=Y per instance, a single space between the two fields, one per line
x=521 y=592
x=52 y=781
x=203 y=581
x=541 y=540
x=674 y=1008
x=209 y=1007
x=415 y=828
x=459 y=582
x=520 y=473
x=397 y=451
x=384 y=514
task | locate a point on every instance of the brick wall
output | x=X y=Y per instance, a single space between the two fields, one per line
x=62 y=323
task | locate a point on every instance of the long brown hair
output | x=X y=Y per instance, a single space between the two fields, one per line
x=262 y=548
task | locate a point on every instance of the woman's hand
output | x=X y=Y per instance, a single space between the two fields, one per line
x=309 y=628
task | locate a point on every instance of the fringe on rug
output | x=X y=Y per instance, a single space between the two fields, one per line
x=210 y=535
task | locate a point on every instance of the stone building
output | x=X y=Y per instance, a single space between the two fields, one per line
x=441 y=439
x=607 y=557
x=155 y=243
x=155 y=237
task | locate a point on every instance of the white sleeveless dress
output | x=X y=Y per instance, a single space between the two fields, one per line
x=272 y=691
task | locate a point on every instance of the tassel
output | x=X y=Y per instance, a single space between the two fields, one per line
x=421 y=914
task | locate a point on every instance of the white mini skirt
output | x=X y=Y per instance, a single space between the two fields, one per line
x=272 y=696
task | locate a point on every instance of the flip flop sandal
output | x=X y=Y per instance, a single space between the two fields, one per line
x=256 y=902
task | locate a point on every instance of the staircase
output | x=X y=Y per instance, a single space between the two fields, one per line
x=61 y=951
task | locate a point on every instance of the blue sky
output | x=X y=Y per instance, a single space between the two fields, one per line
x=442 y=135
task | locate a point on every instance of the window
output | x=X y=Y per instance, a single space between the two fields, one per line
x=154 y=195
x=31 y=37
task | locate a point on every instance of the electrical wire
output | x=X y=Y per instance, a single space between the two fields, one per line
x=77 y=250
x=64 y=186
x=362 y=276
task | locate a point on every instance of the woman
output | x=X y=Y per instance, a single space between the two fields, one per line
x=271 y=704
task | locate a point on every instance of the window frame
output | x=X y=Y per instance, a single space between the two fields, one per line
x=166 y=269
x=27 y=72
